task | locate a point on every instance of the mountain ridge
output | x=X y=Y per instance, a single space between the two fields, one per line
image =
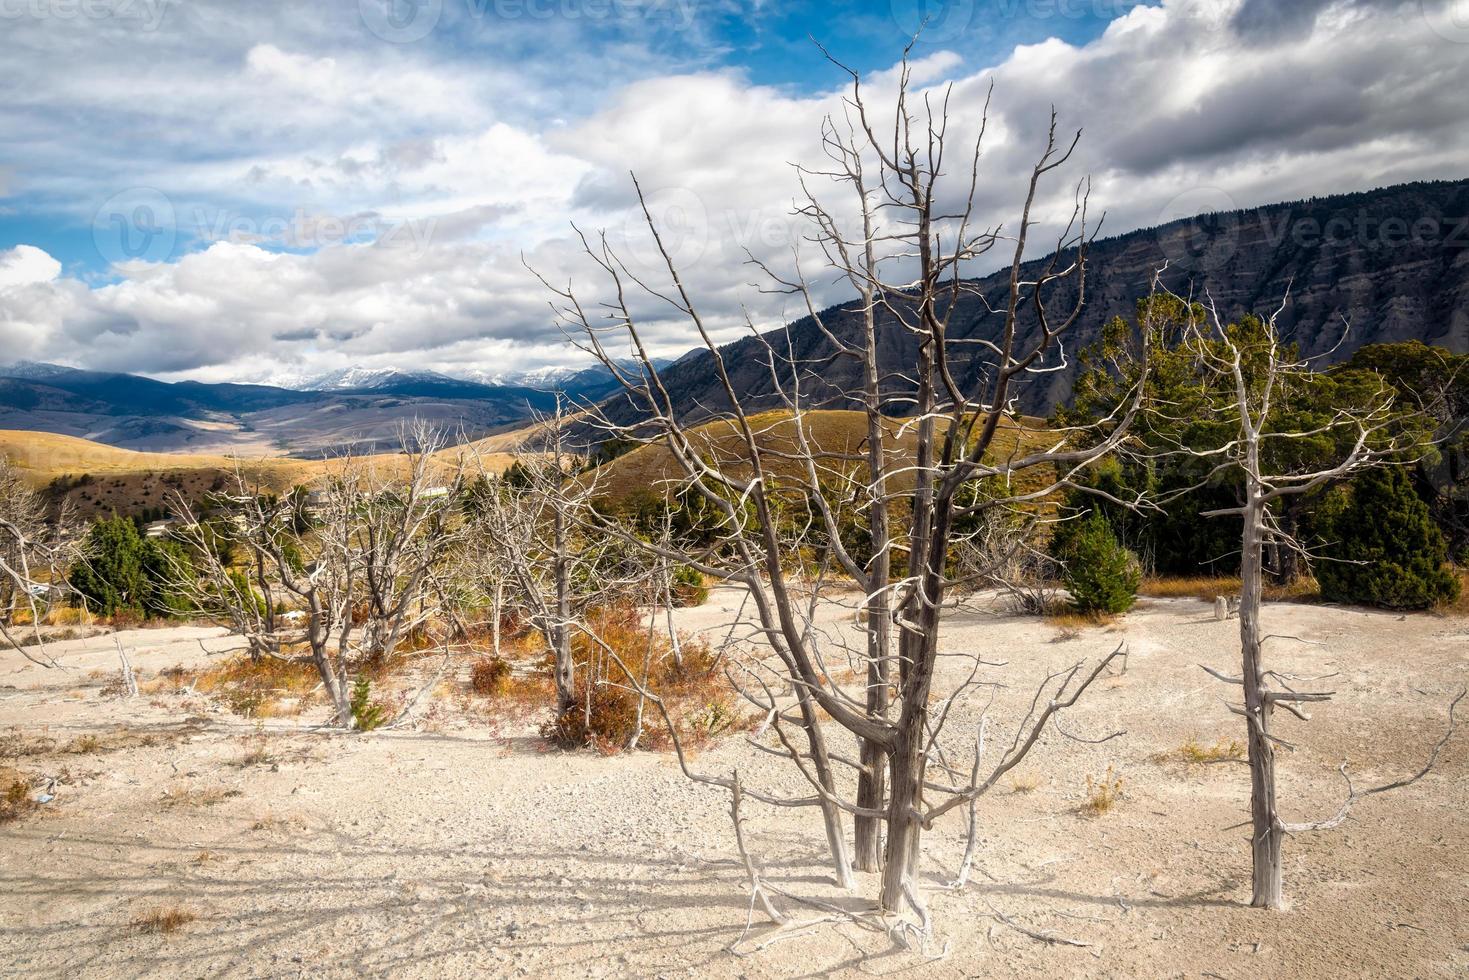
x=1393 y=262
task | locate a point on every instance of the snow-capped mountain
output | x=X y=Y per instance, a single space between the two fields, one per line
x=368 y=379
x=34 y=370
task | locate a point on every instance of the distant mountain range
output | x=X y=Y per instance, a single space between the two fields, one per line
x=1394 y=263
x=361 y=407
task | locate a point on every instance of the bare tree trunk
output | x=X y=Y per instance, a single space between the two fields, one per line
x=1266 y=832
x=872 y=778
x=904 y=830
x=495 y=612
x=831 y=814
x=560 y=630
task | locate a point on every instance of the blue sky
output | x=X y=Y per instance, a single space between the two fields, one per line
x=224 y=190
x=766 y=43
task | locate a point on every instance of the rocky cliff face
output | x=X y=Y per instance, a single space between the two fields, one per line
x=1393 y=263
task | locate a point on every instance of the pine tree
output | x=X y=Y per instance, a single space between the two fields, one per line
x=1101 y=575
x=1382 y=546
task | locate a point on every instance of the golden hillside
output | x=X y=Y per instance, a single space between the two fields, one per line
x=836 y=436
x=101 y=479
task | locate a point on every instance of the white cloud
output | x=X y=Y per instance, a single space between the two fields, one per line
x=26 y=264
x=473 y=167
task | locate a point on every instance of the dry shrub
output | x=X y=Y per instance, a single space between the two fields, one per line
x=256 y=688
x=606 y=719
x=1102 y=794
x=1196 y=753
x=1025 y=783
x=164 y=919
x=85 y=745
x=687 y=679
x=15 y=795
x=490 y=676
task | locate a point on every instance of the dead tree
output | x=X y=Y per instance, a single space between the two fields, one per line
x=238 y=595
x=403 y=531
x=932 y=432
x=1254 y=373
x=34 y=551
x=537 y=520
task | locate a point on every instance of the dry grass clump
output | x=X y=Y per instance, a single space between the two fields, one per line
x=1206 y=588
x=1071 y=622
x=163 y=919
x=1195 y=753
x=1027 y=782
x=257 y=752
x=1102 y=794
x=196 y=796
x=265 y=688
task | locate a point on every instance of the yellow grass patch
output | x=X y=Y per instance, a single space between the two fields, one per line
x=164 y=919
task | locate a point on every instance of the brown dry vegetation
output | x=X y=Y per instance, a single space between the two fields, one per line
x=1207 y=587
x=164 y=919
x=102 y=479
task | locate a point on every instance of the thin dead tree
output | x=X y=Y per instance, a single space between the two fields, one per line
x=537 y=519
x=235 y=590
x=34 y=550
x=1255 y=374
x=951 y=409
x=404 y=530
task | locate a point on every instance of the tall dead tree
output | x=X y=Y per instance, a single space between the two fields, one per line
x=1255 y=373
x=933 y=430
x=536 y=520
x=34 y=550
x=403 y=530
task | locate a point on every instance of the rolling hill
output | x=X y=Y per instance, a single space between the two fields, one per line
x=97 y=479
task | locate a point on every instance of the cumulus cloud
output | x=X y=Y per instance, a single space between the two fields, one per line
x=456 y=173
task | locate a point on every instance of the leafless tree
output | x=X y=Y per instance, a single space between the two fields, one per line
x=360 y=554
x=404 y=529
x=34 y=551
x=238 y=595
x=1256 y=374
x=538 y=521
x=929 y=436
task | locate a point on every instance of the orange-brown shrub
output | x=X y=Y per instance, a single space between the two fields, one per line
x=254 y=688
x=15 y=795
x=605 y=721
x=490 y=676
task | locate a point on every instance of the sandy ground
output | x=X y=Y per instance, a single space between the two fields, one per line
x=471 y=850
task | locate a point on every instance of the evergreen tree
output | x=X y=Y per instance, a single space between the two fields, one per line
x=1383 y=545
x=125 y=571
x=1101 y=575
